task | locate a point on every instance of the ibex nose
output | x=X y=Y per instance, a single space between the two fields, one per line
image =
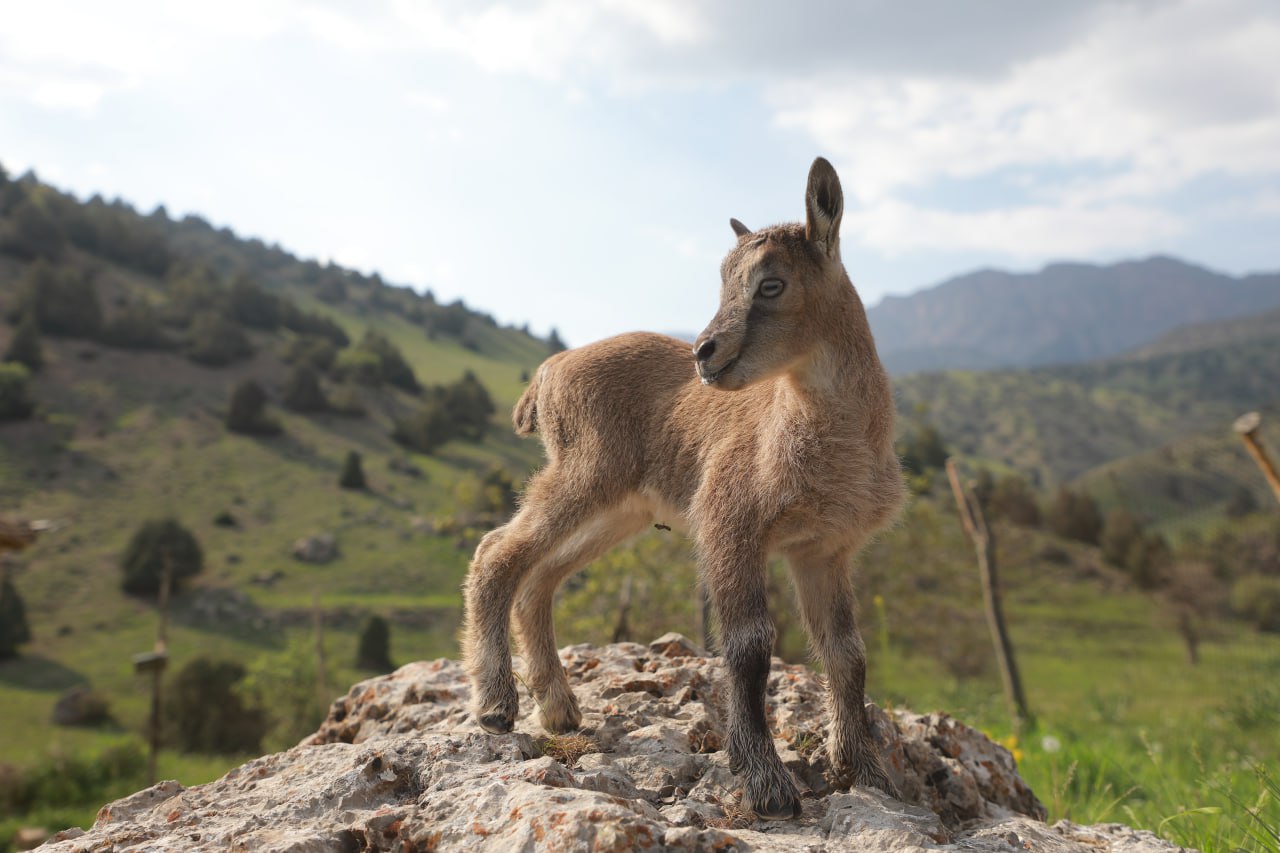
x=705 y=350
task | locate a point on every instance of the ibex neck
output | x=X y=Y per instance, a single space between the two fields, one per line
x=843 y=360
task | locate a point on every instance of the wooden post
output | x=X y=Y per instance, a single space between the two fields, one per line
x=621 y=628
x=975 y=525
x=322 y=680
x=1246 y=426
x=157 y=672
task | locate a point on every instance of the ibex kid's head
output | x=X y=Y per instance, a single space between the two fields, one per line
x=774 y=286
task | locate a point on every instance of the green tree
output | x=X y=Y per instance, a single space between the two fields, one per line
x=315 y=352
x=16 y=402
x=425 y=429
x=1120 y=530
x=1149 y=560
x=1075 y=516
x=302 y=391
x=152 y=545
x=286 y=686
x=62 y=299
x=374 y=649
x=204 y=711
x=469 y=406
x=247 y=411
x=30 y=233
x=923 y=450
x=392 y=367
x=25 y=348
x=14 y=630
x=352 y=472
x=215 y=341
x=554 y=343
x=138 y=327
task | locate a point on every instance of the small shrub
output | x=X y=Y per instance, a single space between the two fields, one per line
x=247 y=411
x=14 y=630
x=137 y=327
x=1120 y=530
x=204 y=712
x=1257 y=599
x=302 y=391
x=426 y=429
x=16 y=402
x=1012 y=499
x=374 y=649
x=63 y=301
x=25 y=348
x=215 y=341
x=352 y=472
x=1075 y=516
x=318 y=353
x=155 y=542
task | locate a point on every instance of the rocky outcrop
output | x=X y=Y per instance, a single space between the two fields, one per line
x=398 y=765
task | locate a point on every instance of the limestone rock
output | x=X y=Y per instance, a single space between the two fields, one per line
x=398 y=765
x=318 y=548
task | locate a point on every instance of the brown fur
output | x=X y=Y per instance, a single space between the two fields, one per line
x=784 y=446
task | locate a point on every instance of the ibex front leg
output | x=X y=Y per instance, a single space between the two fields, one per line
x=735 y=575
x=825 y=588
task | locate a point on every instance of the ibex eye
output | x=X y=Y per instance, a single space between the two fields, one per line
x=771 y=287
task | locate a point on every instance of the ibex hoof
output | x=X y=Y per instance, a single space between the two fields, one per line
x=864 y=773
x=496 y=723
x=773 y=798
x=562 y=717
x=777 y=806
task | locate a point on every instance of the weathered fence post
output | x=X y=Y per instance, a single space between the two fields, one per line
x=975 y=525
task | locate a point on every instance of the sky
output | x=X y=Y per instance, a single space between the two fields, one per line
x=574 y=163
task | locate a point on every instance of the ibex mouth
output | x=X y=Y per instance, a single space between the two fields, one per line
x=709 y=377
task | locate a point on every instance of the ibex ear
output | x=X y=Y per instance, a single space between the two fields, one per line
x=824 y=206
x=738 y=228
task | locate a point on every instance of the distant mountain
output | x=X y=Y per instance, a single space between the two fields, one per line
x=1066 y=313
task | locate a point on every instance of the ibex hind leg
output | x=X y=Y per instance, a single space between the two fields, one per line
x=824 y=588
x=553 y=511
x=558 y=709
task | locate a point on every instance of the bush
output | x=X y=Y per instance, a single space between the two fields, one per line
x=374 y=649
x=215 y=341
x=1120 y=530
x=1075 y=516
x=204 y=712
x=16 y=402
x=426 y=429
x=155 y=542
x=137 y=327
x=923 y=449
x=1242 y=502
x=285 y=686
x=31 y=233
x=352 y=472
x=358 y=367
x=63 y=301
x=14 y=630
x=25 y=348
x=1257 y=599
x=247 y=411
x=392 y=367
x=1148 y=560
x=1012 y=499
x=469 y=406
x=302 y=391
x=317 y=353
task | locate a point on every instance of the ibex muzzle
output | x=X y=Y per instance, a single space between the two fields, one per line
x=797 y=461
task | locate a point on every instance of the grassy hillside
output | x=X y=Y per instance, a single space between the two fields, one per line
x=1056 y=424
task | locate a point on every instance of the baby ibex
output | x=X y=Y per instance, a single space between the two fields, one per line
x=776 y=436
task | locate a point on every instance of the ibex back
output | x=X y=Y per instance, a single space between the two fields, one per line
x=774 y=436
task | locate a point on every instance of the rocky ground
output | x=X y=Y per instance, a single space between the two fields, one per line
x=398 y=765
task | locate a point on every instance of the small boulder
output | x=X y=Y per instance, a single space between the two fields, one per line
x=317 y=548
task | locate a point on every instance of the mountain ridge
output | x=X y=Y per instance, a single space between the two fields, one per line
x=1063 y=314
